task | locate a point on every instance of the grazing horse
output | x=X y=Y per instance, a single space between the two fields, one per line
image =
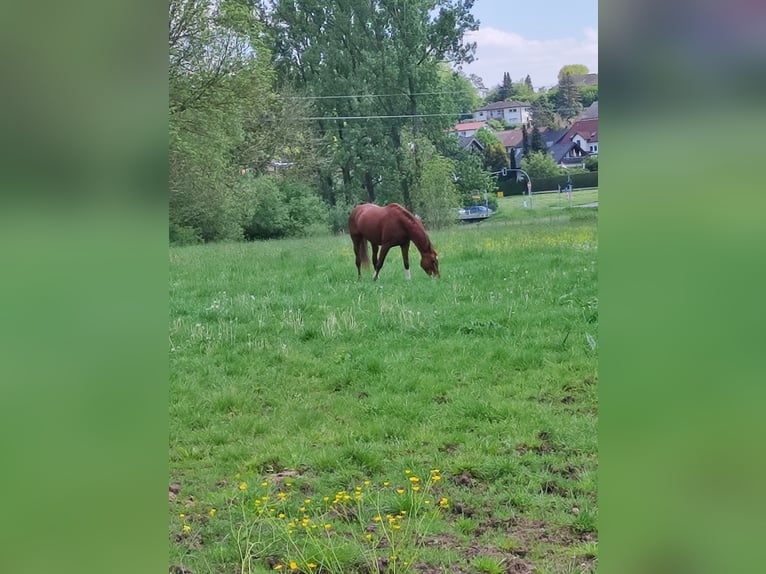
x=387 y=227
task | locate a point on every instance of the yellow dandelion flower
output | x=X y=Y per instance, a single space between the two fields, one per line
x=278 y=567
x=243 y=486
x=402 y=512
x=186 y=528
x=358 y=488
x=408 y=471
x=327 y=526
x=367 y=483
x=264 y=483
x=368 y=536
x=444 y=503
x=311 y=565
x=377 y=519
x=281 y=515
x=212 y=512
x=435 y=471
x=281 y=495
x=414 y=479
x=182 y=515
x=386 y=483
x=307 y=501
x=395 y=526
x=293 y=565
x=436 y=477
x=257 y=502
x=426 y=502
x=415 y=488
x=326 y=499
x=302 y=509
x=400 y=491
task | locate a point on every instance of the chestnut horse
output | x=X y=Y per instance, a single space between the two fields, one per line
x=387 y=227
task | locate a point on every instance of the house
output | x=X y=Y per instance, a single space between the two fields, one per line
x=470 y=143
x=466 y=129
x=512 y=112
x=585 y=133
x=589 y=113
x=567 y=153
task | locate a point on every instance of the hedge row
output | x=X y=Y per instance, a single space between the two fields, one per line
x=579 y=181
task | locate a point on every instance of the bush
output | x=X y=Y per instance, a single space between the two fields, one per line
x=184 y=235
x=276 y=207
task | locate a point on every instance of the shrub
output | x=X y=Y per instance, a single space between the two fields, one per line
x=275 y=207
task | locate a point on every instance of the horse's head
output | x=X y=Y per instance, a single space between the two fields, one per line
x=430 y=263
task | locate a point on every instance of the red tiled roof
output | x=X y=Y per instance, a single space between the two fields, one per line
x=586 y=129
x=469 y=126
x=510 y=138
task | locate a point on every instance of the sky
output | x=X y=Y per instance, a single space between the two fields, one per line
x=535 y=37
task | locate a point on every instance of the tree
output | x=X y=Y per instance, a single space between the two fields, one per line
x=588 y=95
x=543 y=113
x=524 y=140
x=360 y=47
x=539 y=164
x=591 y=163
x=528 y=83
x=572 y=69
x=536 y=142
x=495 y=157
x=219 y=79
x=568 y=98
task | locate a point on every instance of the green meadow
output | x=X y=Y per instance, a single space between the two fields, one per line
x=324 y=424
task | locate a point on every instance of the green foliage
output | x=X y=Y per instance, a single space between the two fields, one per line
x=568 y=98
x=472 y=178
x=572 y=69
x=495 y=157
x=588 y=95
x=591 y=163
x=280 y=207
x=544 y=113
x=435 y=196
x=539 y=164
x=536 y=142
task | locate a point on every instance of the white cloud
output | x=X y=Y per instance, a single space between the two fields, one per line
x=498 y=52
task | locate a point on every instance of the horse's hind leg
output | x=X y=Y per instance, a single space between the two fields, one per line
x=358 y=246
x=379 y=265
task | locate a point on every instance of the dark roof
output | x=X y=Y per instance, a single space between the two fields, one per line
x=591 y=112
x=509 y=138
x=585 y=79
x=560 y=149
x=551 y=137
x=469 y=141
x=503 y=105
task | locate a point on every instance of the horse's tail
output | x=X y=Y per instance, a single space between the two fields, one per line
x=361 y=249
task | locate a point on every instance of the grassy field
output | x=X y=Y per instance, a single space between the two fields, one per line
x=321 y=424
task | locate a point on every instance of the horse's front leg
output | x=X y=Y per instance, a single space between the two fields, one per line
x=375 y=249
x=383 y=252
x=406 y=260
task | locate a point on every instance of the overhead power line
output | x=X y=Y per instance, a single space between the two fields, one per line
x=369 y=95
x=370 y=117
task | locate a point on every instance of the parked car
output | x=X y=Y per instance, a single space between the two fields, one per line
x=474 y=213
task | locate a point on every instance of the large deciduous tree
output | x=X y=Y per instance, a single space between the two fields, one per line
x=371 y=58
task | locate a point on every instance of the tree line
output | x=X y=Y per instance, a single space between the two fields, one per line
x=285 y=113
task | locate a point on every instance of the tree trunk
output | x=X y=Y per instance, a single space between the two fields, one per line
x=370 y=186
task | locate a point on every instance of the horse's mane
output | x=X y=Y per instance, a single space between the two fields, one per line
x=415 y=228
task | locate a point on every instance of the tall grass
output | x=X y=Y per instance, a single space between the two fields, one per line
x=285 y=367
